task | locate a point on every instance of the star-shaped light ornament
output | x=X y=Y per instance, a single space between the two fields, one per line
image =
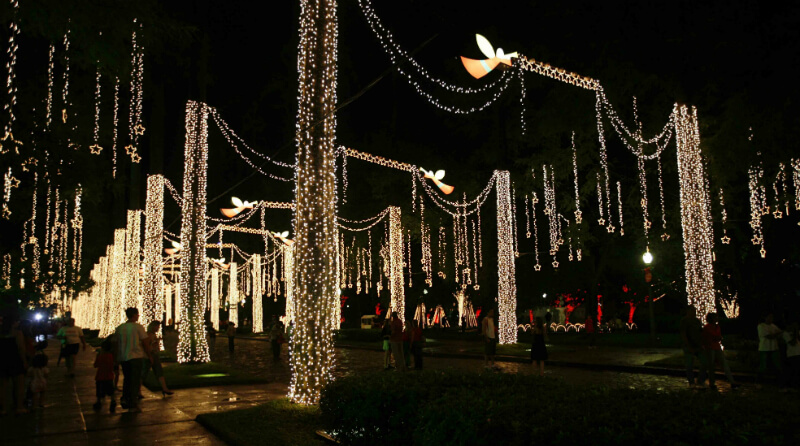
x=648 y=224
x=726 y=240
x=763 y=253
x=537 y=267
x=778 y=213
x=756 y=240
x=135 y=158
x=476 y=287
x=610 y=228
x=664 y=237
x=95 y=149
x=130 y=149
x=8 y=142
x=578 y=217
x=601 y=221
x=139 y=129
x=555 y=263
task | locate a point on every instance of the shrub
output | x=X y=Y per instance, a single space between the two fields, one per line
x=435 y=408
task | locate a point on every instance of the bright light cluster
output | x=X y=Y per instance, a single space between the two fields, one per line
x=96 y=148
x=724 y=214
x=135 y=127
x=192 y=346
x=758 y=206
x=698 y=240
x=398 y=299
x=506 y=286
x=133 y=243
x=316 y=297
x=233 y=294
x=257 y=281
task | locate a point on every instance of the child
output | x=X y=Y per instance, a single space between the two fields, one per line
x=104 y=379
x=37 y=375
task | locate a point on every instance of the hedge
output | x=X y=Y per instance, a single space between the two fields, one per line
x=435 y=408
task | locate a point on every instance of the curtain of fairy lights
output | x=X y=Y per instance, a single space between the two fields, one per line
x=398 y=302
x=192 y=346
x=316 y=297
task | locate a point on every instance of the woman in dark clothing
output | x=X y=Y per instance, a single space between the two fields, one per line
x=538 y=347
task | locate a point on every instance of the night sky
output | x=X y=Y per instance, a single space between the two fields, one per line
x=736 y=62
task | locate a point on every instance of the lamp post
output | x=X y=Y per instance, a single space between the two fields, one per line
x=647 y=258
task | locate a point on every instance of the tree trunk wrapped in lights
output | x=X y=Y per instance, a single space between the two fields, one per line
x=396 y=286
x=192 y=346
x=133 y=242
x=698 y=237
x=506 y=281
x=153 y=280
x=316 y=294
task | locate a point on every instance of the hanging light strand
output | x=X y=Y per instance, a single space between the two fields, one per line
x=11 y=86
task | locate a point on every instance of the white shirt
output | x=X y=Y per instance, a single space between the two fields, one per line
x=72 y=335
x=764 y=344
x=130 y=336
x=791 y=350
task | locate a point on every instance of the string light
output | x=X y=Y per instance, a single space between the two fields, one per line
x=395 y=52
x=796 y=182
x=316 y=293
x=558 y=74
x=13 y=46
x=9 y=182
x=758 y=201
x=725 y=239
x=192 y=346
x=534 y=200
x=65 y=91
x=153 y=279
x=698 y=240
x=116 y=129
x=619 y=206
x=32 y=239
x=578 y=215
x=50 y=83
x=603 y=161
x=442 y=250
x=135 y=127
x=506 y=286
x=77 y=228
x=257 y=294
x=96 y=148
x=779 y=187
x=550 y=210
x=665 y=235
x=233 y=293
x=730 y=307
x=425 y=237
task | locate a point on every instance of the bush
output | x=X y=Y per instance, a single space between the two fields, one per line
x=434 y=408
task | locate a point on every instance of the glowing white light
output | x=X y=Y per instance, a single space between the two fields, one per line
x=647 y=258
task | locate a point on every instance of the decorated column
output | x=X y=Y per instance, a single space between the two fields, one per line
x=214 y=305
x=133 y=244
x=258 y=297
x=396 y=287
x=192 y=346
x=506 y=281
x=153 y=279
x=233 y=295
x=698 y=237
x=288 y=268
x=316 y=294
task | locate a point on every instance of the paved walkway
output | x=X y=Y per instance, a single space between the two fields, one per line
x=68 y=418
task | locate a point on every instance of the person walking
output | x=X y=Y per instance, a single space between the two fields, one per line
x=538 y=345
x=396 y=341
x=386 y=332
x=105 y=376
x=231 y=332
x=692 y=344
x=768 y=335
x=489 y=332
x=417 y=342
x=154 y=361
x=712 y=342
x=73 y=338
x=132 y=350
x=12 y=360
x=211 y=337
x=276 y=338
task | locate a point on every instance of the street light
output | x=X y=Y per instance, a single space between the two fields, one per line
x=647 y=257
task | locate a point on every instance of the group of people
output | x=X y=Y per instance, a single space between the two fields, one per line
x=401 y=343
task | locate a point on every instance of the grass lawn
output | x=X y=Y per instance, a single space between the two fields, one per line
x=182 y=376
x=275 y=423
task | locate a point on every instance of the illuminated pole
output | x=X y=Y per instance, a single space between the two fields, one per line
x=258 y=297
x=133 y=244
x=233 y=294
x=288 y=268
x=214 y=308
x=153 y=280
x=698 y=237
x=316 y=235
x=506 y=282
x=192 y=346
x=398 y=302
